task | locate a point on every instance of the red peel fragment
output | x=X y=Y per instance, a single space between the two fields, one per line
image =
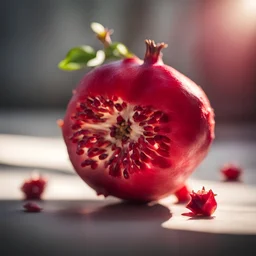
x=32 y=207
x=231 y=172
x=183 y=194
x=202 y=203
x=34 y=187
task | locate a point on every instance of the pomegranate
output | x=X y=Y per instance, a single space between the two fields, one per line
x=202 y=203
x=137 y=129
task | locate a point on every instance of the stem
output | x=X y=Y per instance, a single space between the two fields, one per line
x=153 y=52
x=105 y=37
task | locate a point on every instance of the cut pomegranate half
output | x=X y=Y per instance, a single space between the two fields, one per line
x=120 y=136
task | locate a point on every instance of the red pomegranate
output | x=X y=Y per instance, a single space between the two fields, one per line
x=137 y=129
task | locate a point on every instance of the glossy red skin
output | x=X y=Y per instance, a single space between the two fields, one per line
x=192 y=125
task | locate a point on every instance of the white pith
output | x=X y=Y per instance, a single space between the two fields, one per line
x=111 y=119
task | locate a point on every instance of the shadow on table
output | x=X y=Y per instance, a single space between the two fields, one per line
x=118 y=211
x=107 y=227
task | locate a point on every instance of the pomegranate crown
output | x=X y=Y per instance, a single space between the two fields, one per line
x=85 y=56
x=153 y=51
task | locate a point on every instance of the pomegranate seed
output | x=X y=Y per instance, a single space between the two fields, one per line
x=157 y=129
x=163 y=146
x=164 y=119
x=126 y=174
x=96 y=102
x=150 y=134
x=163 y=152
x=152 y=121
x=103 y=156
x=124 y=105
x=151 y=141
x=125 y=139
x=157 y=114
x=118 y=107
x=119 y=119
x=86 y=162
x=114 y=98
x=60 y=123
x=94 y=165
x=93 y=152
x=148 y=128
x=137 y=108
x=80 y=151
x=140 y=118
x=144 y=157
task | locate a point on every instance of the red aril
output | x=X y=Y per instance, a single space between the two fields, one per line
x=137 y=129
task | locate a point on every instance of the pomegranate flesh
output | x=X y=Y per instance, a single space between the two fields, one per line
x=137 y=129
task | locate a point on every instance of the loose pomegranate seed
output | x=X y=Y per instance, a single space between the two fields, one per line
x=32 y=207
x=202 y=203
x=34 y=187
x=231 y=172
x=60 y=123
x=183 y=194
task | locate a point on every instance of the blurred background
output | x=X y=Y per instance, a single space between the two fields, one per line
x=212 y=42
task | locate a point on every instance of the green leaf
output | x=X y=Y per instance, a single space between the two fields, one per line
x=117 y=50
x=77 y=58
x=98 y=60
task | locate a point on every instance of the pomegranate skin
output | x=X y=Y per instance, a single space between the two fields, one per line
x=182 y=123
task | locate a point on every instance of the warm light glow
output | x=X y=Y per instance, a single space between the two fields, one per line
x=249 y=9
x=249 y=5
